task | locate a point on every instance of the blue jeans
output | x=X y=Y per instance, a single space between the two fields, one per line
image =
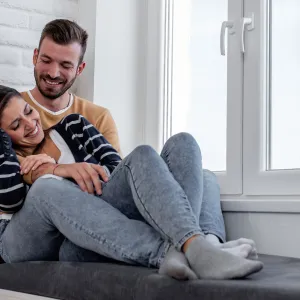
x=183 y=158
x=149 y=203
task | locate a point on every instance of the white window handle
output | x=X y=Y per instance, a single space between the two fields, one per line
x=229 y=25
x=250 y=26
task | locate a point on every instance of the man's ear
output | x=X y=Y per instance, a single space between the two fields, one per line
x=80 y=68
x=35 y=56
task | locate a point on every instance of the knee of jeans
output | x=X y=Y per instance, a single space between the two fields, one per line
x=143 y=152
x=44 y=187
x=182 y=138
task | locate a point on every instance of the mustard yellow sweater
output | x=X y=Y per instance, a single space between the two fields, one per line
x=99 y=116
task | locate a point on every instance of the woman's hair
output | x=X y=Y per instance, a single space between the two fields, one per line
x=6 y=94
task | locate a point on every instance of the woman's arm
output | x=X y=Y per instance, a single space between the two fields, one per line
x=87 y=143
x=30 y=163
x=12 y=187
x=86 y=175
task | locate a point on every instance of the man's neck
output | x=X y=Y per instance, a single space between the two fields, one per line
x=53 y=105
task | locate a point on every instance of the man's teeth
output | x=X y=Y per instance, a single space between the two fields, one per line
x=52 y=82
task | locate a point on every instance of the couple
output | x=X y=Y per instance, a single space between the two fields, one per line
x=150 y=205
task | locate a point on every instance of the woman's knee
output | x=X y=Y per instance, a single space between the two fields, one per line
x=144 y=151
x=142 y=155
x=182 y=140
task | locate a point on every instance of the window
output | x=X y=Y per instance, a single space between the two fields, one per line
x=270 y=100
x=242 y=107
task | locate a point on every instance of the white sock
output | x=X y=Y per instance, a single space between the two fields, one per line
x=177 y=266
x=241 y=247
x=212 y=239
x=238 y=242
x=210 y=262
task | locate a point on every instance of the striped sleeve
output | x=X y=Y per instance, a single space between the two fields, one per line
x=87 y=143
x=12 y=188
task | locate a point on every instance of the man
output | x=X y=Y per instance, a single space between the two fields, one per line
x=58 y=61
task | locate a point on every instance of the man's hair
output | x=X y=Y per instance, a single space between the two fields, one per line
x=65 y=32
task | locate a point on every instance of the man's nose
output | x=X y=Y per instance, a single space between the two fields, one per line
x=53 y=71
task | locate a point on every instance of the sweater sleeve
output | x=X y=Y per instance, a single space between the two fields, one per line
x=87 y=143
x=12 y=188
x=107 y=126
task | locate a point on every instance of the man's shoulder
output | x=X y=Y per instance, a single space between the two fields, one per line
x=85 y=104
x=25 y=95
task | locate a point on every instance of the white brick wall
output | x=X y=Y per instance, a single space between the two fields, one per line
x=21 y=22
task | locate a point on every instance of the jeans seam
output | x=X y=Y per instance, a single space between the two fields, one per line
x=144 y=205
x=93 y=235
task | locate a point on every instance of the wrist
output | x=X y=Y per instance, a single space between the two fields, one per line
x=54 y=168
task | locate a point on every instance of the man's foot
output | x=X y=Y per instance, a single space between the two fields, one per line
x=176 y=265
x=210 y=262
x=241 y=247
x=244 y=250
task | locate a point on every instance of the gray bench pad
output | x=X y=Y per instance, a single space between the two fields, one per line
x=280 y=279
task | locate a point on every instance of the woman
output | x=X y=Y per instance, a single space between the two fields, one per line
x=143 y=189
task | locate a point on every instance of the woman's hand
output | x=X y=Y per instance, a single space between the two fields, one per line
x=86 y=175
x=32 y=162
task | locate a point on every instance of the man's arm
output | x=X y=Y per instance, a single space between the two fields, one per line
x=12 y=188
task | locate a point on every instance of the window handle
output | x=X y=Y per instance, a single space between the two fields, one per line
x=249 y=22
x=225 y=25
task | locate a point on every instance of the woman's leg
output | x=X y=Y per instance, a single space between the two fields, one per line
x=56 y=209
x=183 y=157
x=142 y=187
x=144 y=177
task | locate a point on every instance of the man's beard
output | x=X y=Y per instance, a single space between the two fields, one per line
x=51 y=96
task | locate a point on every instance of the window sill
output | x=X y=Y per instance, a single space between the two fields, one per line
x=261 y=205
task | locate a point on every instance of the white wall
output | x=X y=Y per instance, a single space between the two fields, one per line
x=274 y=233
x=21 y=22
x=119 y=76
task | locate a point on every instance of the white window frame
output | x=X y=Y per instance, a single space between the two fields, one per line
x=158 y=94
x=257 y=179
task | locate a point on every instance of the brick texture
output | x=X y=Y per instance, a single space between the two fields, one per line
x=21 y=24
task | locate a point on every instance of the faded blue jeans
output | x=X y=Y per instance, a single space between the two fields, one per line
x=149 y=203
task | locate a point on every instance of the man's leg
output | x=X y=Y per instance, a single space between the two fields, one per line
x=56 y=209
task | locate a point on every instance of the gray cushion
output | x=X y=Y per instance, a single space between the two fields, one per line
x=280 y=279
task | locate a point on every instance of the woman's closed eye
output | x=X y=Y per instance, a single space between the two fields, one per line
x=28 y=111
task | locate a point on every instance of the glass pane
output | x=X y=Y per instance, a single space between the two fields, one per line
x=285 y=85
x=200 y=77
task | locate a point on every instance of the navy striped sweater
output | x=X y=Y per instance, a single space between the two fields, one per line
x=86 y=143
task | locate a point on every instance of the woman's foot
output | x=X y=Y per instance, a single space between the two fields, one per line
x=176 y=265
x=211 y=262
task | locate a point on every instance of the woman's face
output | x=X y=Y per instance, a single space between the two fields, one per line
x=22 y=123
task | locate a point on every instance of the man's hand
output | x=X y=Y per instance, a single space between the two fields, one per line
x=86 y=175
x=32 y=162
